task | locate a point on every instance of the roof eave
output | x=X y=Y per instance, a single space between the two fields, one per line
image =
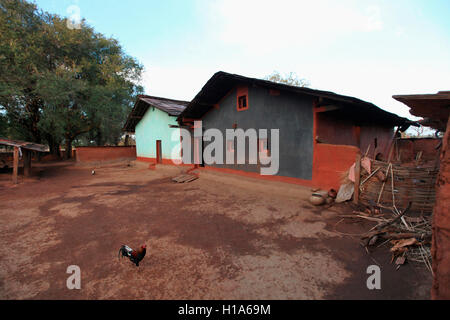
x=131 y=127
x=198 y=103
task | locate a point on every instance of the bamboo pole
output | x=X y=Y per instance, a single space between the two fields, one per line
x=357 y=178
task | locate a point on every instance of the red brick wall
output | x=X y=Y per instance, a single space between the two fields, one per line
x=441 y=225
x=408 y=148
x=88 y=154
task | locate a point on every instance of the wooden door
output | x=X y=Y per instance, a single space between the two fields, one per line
x=158 y=152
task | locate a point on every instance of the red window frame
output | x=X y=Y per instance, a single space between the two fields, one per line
x=242 y=91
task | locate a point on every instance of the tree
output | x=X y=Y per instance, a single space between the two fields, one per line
x=290 y=79
x=3 y=125
x=90 y=90
x=71 y=84
x=20 y=61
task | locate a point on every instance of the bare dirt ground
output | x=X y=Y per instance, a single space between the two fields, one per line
x=220 y=237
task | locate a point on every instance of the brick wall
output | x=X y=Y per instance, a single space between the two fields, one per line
x=88 y=154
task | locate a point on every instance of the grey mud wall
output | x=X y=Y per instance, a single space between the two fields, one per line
x=290 y=113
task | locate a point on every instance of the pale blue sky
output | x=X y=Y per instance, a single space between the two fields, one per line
x=367 y=49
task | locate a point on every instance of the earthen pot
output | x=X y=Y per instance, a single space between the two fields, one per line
x=317 y=199
x=332 y=193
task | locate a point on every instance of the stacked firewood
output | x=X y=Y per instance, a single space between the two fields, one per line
x=409 y=237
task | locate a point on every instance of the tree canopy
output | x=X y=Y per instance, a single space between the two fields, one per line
x=61 y=85
x=291 y=79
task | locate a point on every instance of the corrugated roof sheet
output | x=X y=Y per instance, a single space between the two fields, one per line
x=170 y=106
x=24 y=145
x=221 y=83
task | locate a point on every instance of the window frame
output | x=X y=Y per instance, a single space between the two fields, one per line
x=242 y=91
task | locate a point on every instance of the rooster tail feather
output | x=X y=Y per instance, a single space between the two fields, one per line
x=122 y=251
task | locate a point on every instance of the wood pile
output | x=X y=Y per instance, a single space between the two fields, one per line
x=384 y=191
x=409 y=237
x=185 y=178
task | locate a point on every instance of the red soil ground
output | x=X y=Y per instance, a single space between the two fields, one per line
x=220 y=237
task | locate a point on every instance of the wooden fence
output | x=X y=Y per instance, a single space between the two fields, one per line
x=401 y=185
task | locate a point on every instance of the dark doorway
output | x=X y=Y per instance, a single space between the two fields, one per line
x=158 y=152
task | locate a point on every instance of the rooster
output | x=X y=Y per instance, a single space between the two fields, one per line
x=135 y=256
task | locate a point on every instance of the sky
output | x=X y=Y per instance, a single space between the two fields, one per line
x=369 y=49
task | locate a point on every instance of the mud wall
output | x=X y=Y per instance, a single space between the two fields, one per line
x=378 y=138
x=330 y=164
x=339 y=129
x=88 y=154
x=407 y=149
x=290 y=113
x=154 y=126
x=441 y=225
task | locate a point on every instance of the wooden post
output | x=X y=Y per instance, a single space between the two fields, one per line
x=15 y=165
x=26 y=163
x=357 y=178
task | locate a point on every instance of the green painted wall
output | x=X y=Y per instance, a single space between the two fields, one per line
x=152 y=127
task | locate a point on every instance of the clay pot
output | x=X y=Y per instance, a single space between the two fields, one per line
x=317 y=199
x=332 y=193
x=322 y=193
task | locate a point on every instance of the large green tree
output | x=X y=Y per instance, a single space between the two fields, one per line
x=20 y=63
x=71 y=85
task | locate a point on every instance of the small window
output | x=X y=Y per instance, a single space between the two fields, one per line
x=242 y=98
x=242 y=102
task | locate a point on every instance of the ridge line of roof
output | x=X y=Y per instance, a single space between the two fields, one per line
x=305 y=90
x=160 y=98
x=142 y=98
x=297 y=88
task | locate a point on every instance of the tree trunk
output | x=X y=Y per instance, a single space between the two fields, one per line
x=99 y=138
x=54 y=146
x=68 y=149
x=33 y=107
x=55 y=149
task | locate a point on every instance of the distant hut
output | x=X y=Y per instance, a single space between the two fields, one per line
x=152 y=120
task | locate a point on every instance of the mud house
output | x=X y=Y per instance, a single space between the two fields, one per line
x=320 y=132
x=435 y=109
x=152 y=120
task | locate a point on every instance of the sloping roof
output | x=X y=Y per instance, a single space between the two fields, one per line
x=170 y=106
x=24 y=145
x=221 y=83
x=434 y=108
